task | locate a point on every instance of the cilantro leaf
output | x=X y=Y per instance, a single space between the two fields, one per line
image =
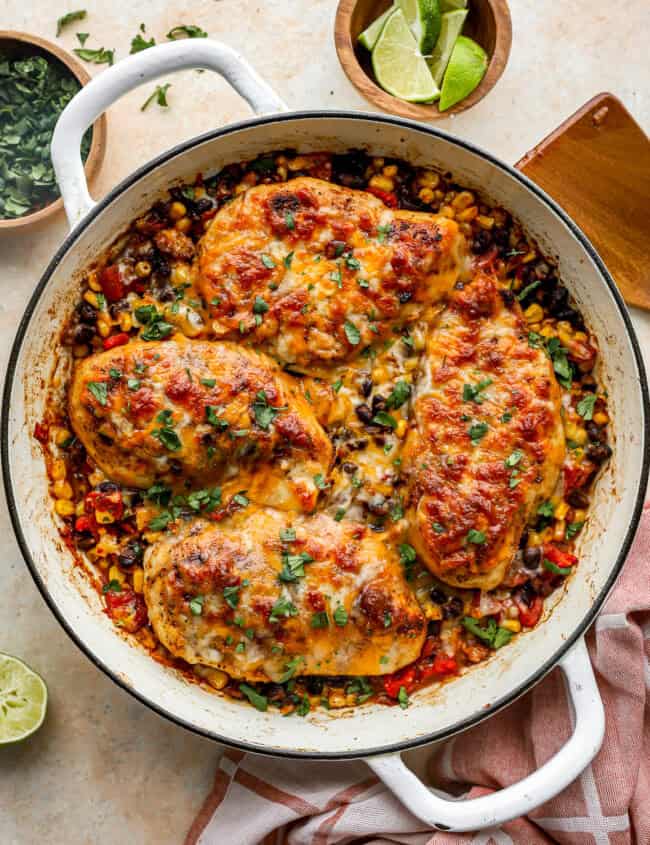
x=352 y=333
x=259 y=701
x=585 y=406
x=69 y=18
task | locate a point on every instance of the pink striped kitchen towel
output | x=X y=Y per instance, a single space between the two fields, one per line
x=265 y=801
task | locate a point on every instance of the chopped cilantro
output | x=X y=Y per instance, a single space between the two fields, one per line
x=160 y=522
x=289 y=221
x=320 y=620
x=476 y=537
x=240 y=499
x=113 y=586
x=211 y=412
x=385 y=420
x=196 y=605
x=340 y=616
x=267 y=261
x=438 y=528
x=586 y=406
x=528 y=290
x=403 y=698
x=260 y=702
x=288 y=535
x=260 y=306
x=477 y=432
x=474 y=392
x=293 y=566
x=133 y=383
x=399 y=395
x=340 y=513
x=337 y=385
x=231 y=596
x=352 y=333
x=264 y=413
x=288 y=258
x=99 y=390
x=514 y=458
x=208 y=382
x=572 y=529
x=493 y=635
x=283 y=608
x=546 y=510
x=408 y=558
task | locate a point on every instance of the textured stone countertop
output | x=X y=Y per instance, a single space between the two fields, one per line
x=105 y=769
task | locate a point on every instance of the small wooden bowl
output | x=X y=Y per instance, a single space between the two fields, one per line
x=18 y=44
x=488 y=23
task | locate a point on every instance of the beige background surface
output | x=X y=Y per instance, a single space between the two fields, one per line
x=104 y=769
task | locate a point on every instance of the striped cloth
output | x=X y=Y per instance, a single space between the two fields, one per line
x=266 y=801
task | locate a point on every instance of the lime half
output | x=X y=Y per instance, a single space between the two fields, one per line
x=398 y=64
x=465 y=70
x=369 y=36
x=23 y=700
x=452 y=23
x=423 y=17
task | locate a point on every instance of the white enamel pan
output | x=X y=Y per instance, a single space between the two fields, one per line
x=377 y=734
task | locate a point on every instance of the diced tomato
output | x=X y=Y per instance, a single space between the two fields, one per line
x=576 y=476
x=387 y=197
x=529 y=616
x=395 y=681
x=106 y=502
x=41 y=433
x=126 y=608
x=442 y=665
x=564 y=560
x=116 y=340
x=111 y=283
x=86 y=524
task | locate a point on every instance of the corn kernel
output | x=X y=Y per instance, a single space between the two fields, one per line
x=390 y=170
x=64 y=507
x=103 y=327
x=58 y=470
x=534 y=313
x=199 y=192
x=96 y=477
x=429 y=179
x=91 y=298
x=298 y=163
x=61 y=436
x=138 y=579
x=80 y=509
x=216 y=678
x=62 y=490
x=183 y=225
x=142 y=269
x=575 y=432
x=379 y=374
x=378 y=162
x=513 y=625
x=463 y=200
x=581 y=336
x=485 y=222
x=426 y=195
x=579 y=516
x=243 y=187
x=529 y=256
x=565 y=337
x=601 y=418
x=336 y=699
x=79 y=350
x=125 y=321
x=467 y=214
x=559 y=531
x=447 y=211
x=180 y=274
x=116 y=574
x=282 y=172
x=104 y=517
x=93 y=281
x=177 y=210
x=382 y=183
x=400 y=431
x=561 y=510
x=534 y=538
x=547 y=331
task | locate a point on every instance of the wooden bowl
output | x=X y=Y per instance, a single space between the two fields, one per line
x=488 y=23
x=18 y=44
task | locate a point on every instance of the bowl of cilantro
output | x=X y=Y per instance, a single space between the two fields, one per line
x=37 y=80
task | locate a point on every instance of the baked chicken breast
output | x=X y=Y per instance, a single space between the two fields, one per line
x=316 y=272
x=487 y=442
x=267 y=595
x=191 y=411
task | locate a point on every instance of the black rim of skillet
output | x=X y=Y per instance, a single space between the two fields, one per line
x=580 y=629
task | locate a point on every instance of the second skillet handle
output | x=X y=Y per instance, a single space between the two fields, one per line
x=127 y=74
x=522 y=797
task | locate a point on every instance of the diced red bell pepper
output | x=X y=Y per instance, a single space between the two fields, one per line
x=116 y=340
x=111 y=283
x=440 y=665
x=395 y=681
x=86 y=524
x=576 y=476
x=387 y=197
x=564 y=560
x=529 y=616
x=126 y=608
x=41 y=432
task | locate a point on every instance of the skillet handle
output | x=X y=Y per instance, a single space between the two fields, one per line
x=111 y=84
x=519 y=798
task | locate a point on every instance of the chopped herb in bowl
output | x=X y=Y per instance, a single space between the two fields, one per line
x=34 y=90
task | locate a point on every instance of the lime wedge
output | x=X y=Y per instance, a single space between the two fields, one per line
x=451 y=25
x=398 y=64
x=423 y=17
x=465 y=70
x=450 y=5
x=23 y=700
x=369 y=36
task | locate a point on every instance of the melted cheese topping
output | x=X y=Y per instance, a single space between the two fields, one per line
x=350 y=612
x=315 y=272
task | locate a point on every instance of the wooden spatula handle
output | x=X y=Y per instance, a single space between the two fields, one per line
x=596 y=165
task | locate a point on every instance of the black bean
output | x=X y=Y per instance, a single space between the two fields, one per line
x=366 y=386
x=453 y=608
x=438 y=596
x=349 y=467
x=203 y=205
x=176 y=467
x=276 y=692
x=571 y=316
x=598 y=453
x=482 y=242
x=433 y=627
x=314 y=685
x=364 y=413
x=528 y=594
x=378 y=404
x=107 y=487
x=578 y=499
x=596 y=433
x=532 y=557
x=83 y=333
x=508 y=297
x=523 y=540
x=404 y=296
x=165 y=293
x=131 y=554
x=160 y=265
x=86 y=313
